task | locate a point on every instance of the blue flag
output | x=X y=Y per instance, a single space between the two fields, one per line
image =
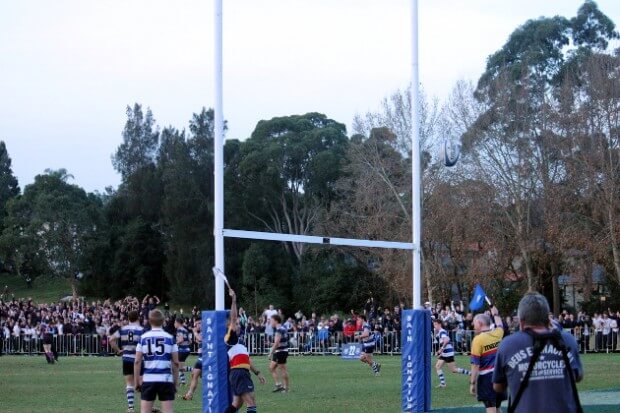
x=477 y=301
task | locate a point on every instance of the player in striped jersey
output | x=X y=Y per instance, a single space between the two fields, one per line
x=445 y=354
x=483 y=351
x=278 y=355
x=129 y=337
x=161 y=365
x=183 y=344
x=368 y=346
x=241 y=384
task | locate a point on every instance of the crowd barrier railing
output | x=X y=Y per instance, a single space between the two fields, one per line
x=300 y=343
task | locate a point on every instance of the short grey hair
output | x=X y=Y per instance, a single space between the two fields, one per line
x=534 y=310
x=484 y=319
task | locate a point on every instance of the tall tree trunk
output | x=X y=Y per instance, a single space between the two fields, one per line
x=529 y=272
x=18 y=265
x=614 y=241
x=587 y=283
x=556 y=293
x=555 y=282
x=74 y=291
x=426 y=271
x=255 y=297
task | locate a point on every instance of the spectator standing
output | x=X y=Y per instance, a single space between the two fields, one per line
x=597 y=324
x=349 y=331
x=586 y=329
x=613 y=324
x=2 y=322
x=243 y=320
x=370 y=308
x=553 y=389
x=267 y=314
x=15 y=335
x=606 y=325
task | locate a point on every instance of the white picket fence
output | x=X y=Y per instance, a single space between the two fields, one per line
x=260 y=343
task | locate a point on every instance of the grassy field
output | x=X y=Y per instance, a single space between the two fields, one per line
x=45 y=289
x=319 y=384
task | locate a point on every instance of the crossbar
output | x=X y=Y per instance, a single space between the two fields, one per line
x=310 y=239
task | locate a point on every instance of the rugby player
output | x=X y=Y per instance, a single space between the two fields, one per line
x=129 y=337
x=368 y=341
x=445 y=354
x=278 y=355
x=196 y=375
x=197 y=369
x=183 y=344
x=161 y=366
x=483 y=350
x=240 y=365
x=49 y=329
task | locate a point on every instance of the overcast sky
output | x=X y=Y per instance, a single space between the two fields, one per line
x=68 y=68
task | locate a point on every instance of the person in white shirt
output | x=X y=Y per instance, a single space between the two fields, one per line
x=597 y=324
x=606 y=327
x=267 y=314
x=613 y=324
x=16 y=330
x=29 y=338
x=15 y=336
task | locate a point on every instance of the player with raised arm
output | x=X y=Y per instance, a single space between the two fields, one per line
x=367 y=338
x=445 y=354
x=161 y=366
x=182 y=341
x=129 y=336
x=278 y=355
x=241 y=384
x=483 y=350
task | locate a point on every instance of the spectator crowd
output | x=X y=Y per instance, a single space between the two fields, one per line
x=82 y=327
x=596 y=333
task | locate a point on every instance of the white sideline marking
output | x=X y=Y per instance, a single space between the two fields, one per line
x=309 y=239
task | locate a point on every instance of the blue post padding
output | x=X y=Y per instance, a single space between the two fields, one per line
x=215 y=395
x=416 y=341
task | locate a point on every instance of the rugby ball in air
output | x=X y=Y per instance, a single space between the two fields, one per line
x=450 y=152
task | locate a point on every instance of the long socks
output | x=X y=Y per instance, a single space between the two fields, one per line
x=129 y=390
x=463 y=371
x=442 y=378
x=375 y=367
x=182 y=377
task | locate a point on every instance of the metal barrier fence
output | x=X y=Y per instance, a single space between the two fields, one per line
x=320 y=343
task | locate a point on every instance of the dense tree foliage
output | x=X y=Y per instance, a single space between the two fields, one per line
x=9 y=188
x=50 y=226
x=535 y=196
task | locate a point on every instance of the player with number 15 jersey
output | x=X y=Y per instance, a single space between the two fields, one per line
x=161 y=365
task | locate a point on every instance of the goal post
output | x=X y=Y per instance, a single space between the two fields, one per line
x=312 y=239
x=416 y=323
